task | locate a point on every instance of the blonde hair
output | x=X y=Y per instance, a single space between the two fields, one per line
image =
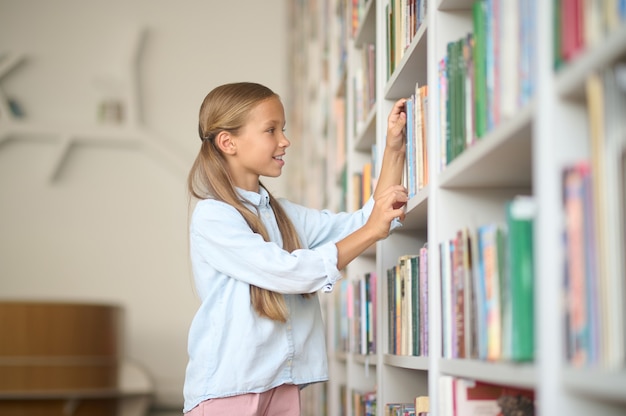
x=226 y=108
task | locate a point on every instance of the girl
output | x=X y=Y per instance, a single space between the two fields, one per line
x=258 y=262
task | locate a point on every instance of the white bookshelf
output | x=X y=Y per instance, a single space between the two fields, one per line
x=524 y=154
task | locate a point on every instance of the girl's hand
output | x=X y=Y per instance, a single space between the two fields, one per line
x=387 y=206
x=395 y=126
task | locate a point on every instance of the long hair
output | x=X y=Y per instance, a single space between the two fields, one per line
x=226 y=108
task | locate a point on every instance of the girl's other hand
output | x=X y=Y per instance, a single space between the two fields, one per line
x=387 y=206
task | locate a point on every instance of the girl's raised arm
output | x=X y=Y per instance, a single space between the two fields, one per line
x=389 y=196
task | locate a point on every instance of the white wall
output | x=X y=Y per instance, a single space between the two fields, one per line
x=112 y=226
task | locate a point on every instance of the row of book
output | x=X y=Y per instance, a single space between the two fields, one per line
x=416 y=108
x=487 y=285
x=356 y=320
x=407 y=305
x=416 y=164
x=363 y=403
x=358 y=8
x=580 y=24
x=364 y=85
x=404 y=18
x=364 y=181
x=594 y=204
x=419 y=407
x=458 y=397
x=486 y=76
x=464 y=397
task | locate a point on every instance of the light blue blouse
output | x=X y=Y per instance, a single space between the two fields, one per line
x=231 y=349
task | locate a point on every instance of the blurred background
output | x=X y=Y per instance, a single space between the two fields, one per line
x=100 y=131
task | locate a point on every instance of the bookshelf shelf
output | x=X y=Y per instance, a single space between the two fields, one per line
x=368 y=360
x=520 y=375
x=416 y=212
x=502 y=158
x=454 y=4
x=571 y=79
x=597 y=384
x=411 y=69
x=532 y=132
x=409 y=362
x=366 y=136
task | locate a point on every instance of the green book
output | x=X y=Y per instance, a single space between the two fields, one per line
x=415 y=305
x=519 y=217
x=450 y=89
x=460 y=104
x=479 y=16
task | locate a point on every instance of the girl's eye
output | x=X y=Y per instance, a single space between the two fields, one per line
x=271 y=130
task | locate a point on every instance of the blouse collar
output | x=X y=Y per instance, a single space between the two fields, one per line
x=259 y=199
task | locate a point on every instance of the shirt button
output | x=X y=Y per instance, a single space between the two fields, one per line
x=289 y=363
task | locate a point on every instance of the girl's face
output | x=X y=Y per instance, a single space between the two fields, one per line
x=260 y=145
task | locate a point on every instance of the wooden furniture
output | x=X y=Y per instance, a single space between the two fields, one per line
x=66 y=359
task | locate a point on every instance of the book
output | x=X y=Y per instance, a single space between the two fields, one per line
x=446 y=298
x=479 y=17
x=458 y=283
x=520 y=274
x=422 y=404
x=423 y=302
x=509 y=62
x=476 y=398
x=490 y=246
x=576 y=278
x=411 y=152
x=416 y=305
x=614 y=80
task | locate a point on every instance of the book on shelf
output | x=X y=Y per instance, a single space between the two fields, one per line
x=593 y=205
x=422 y=307
x=518 y=283
x=410 y=160
x=580 y=25
x=364 y=81
x=363 y=402
x=465 y=397
x=416 y=168
x=342 y=318
x=580 y=284
x=607 y=106
x=400 y=409
x=403 y=19
x=422 y=405
x=479 y=20
x=491 y=255
x=509 y=58
x=442 y=122
x=407 y=302
x=487 y=287
x=447 y=325
x=419 y=406
x=461 y=294
x=360 y=307
x=481 y=82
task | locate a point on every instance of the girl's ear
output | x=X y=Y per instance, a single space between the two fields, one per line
x=225 y=142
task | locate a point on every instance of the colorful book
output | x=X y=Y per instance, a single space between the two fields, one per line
x=520 y=214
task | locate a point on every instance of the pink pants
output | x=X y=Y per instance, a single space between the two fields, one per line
x=280 y=401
